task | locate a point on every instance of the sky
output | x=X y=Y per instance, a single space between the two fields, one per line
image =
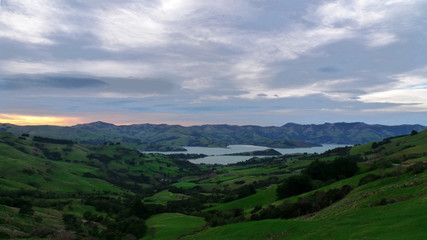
x=191 y=62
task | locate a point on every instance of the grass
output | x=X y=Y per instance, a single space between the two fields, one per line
x=185 y=185
x=164 y=196
x=16 y=225
x=46 y=175
x=169 y=226
x=261 y=198
x=358 y=216
x=355 y=217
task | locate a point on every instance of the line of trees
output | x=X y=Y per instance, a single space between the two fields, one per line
x=318 y=171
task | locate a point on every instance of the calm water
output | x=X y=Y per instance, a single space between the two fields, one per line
x=214 y=153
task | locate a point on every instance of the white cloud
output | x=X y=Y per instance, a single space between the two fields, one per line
x=380 y=39
x=351 y=14
x=95 y=67
x=198 y=84
x=33 y=21
x=332 y=89
x=371 y=18
x=222 y=50
x=166 y=22
x=409 y=92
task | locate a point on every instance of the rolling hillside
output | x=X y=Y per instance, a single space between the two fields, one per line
x=387 y=202
x=58 y=189
x=170 y=137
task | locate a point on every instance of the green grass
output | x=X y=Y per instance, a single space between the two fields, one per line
x=169 y=226
x=164 y=196
x=357 y=216
x=262 y=198
x=17 y=225
x=46 y=175
x=185 y=185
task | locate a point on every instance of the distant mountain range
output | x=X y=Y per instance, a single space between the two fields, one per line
x=162 y=137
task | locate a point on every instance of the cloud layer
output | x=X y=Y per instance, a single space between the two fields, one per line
x=190 y=61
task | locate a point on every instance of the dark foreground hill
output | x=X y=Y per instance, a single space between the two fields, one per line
x=164 y=137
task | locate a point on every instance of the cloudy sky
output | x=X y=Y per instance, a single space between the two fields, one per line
x=265 y=62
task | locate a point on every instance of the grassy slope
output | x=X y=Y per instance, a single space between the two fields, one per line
x=262 y=198
x=400 y=148
x=44 y=174
x=354 y=217
x=358 y=215
x=164 y=196
x=25 y=165
x=169 y=226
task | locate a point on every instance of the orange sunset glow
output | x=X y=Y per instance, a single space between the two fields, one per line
x=37 y=120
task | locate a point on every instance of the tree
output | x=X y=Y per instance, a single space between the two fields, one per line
x=343 y=167
x=72 y=222
x=139 y=209
x=294 y=185
x=318 y=170
x=133 y=225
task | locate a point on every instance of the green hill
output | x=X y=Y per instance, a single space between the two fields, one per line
x=59 y=189
x=164 y=137
x=390 y=207
x=58 y=186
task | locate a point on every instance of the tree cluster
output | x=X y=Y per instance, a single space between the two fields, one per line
x=305 y=205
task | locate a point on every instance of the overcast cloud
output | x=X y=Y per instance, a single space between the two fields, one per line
x=265 y=62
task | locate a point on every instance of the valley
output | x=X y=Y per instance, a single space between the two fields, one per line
x=163 y=137
x=213 y=120
x=60 y=189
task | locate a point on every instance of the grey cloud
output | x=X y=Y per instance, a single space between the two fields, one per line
x=328 y=69
x=76 y=81
x=140 y=85
x=48 y=81
x=71 y=82
x=204 y=60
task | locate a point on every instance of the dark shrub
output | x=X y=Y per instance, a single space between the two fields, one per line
x=26 y=210
x=318 y=170
x=417 y=168
x=42 y=232
x=4 y=235
x=72 y=222
x=133 y=225
x=294 y=185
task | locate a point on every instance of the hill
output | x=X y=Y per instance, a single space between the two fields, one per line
x=164 y=137
x=346 y=133
x=59 y=189
x=387 y=201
